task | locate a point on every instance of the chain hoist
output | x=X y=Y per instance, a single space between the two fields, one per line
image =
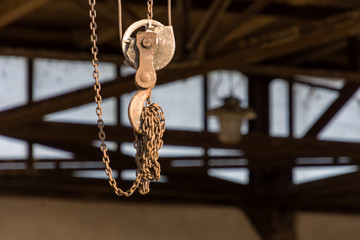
x=150 y=50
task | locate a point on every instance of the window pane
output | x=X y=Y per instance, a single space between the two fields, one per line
x=345 y=126
x=279 y=108
x=310 y=104
x=99 y=174
x=56 y=77
x=13 y=91
x=326 y=82
x=166 y=151
x=44 y=152
x=13 y=148
x=308 y=174
x=213 y=152
x=86 y=113
x=240 y=175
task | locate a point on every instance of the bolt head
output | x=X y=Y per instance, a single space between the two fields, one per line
x=146 y=42
x=145 y=77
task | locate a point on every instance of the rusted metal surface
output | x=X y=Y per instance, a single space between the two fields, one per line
x=166 y=47
x=146 y=43
x=135 y=108
x=165 y=44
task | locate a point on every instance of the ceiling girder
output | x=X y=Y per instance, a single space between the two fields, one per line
x=12 y=10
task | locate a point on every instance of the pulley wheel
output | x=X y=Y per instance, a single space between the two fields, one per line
x=165 y=43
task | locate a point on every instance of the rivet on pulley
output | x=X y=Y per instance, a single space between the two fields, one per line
x=145 y=77
x=146 y=42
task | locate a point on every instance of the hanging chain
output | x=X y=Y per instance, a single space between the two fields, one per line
x=150 y=9
x=147 y=144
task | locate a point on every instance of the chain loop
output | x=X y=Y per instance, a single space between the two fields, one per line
x=147 y=144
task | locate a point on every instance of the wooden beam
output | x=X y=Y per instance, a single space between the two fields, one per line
x=346 y=205
x=258 y=92
x=212 y=33
x=324 y=3
x=288 y=72
x=181 y=28
x=263 y=47
x=12 y=10
x=243 y=20
x=81 y=188
x=280 y=8
x=108 y=12
x=296 y=38
x=317 y=53
x=73 y=49
x=61 y=185
x=268 y=215
x=308 y=194
x=283 y=43
x=43 y=37
x=243 y=29
x=271 y=147
x=352 y=53
x=217 y=8
x=106 y=33
x=193 y=181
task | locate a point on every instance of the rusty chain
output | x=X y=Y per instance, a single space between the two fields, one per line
x=147 y=143
x=150 y=9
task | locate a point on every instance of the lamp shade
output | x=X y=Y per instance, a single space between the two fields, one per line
x=231 y=117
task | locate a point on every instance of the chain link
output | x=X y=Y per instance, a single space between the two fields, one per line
x=150 y=9
x=147 y=144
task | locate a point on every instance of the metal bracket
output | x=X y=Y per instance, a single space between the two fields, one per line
x=145 y=77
